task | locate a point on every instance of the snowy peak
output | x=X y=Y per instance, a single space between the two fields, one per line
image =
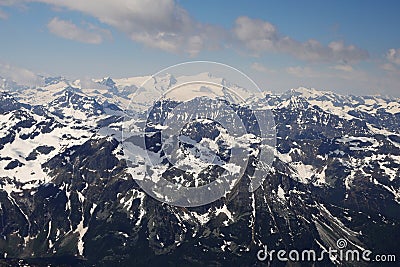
x=293 y=102
x=309 y=93
x=348 y=106
x=54 y=80
x=165 y=82
x=109 y=83
x=8 y=102
x=75 y=105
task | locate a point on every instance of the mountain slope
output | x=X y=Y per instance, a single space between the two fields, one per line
x=67 y=196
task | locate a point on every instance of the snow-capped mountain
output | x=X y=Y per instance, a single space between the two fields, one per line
x=68 y=197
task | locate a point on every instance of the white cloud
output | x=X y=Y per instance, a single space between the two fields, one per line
x=256 y=34
x=261 y=68
x=261 y=36
x=393 y=56
x=19 y=75
x=392 y=62
x=165 y=25
x=3 y=15
x=68 y=30
x=388 y=67
x=346 y=68
x=160 y=24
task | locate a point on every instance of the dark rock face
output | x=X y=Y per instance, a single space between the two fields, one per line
x=334 y=176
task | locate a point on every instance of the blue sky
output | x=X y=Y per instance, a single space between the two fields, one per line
x=343 y=46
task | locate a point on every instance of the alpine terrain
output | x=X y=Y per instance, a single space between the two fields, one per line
x=70 y=197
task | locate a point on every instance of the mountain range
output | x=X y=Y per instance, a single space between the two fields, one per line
x=68 y=196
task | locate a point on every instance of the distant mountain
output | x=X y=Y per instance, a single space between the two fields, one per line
x=67 y=195
x=7 y=84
